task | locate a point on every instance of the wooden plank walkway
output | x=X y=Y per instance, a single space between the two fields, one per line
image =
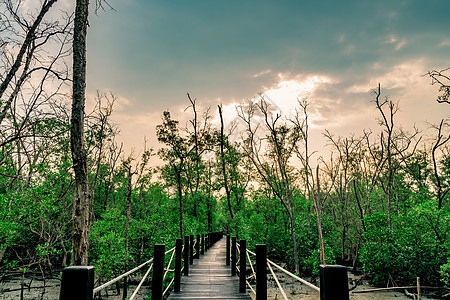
x=210 y=278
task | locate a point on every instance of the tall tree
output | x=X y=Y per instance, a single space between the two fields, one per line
x=223 y=164
x=441 y=186
x=273 y=167
x=312 y=184
x=176 y=154
x=81 y=199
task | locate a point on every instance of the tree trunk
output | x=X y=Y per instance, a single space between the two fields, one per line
x=319 y=218
x=180 y=197
x=224 y=171
x=127 y=229
x=81 y=199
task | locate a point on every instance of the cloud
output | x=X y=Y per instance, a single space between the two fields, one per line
x=262 y=73
x=401 y=76
x=289 y=89
x=396 y=42
x=341 y=38
x=445 y=43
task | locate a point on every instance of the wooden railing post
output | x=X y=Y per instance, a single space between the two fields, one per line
x=206 y=242
x=186 y=255
x=177 y=275
x=333 y=282
x=233 y=256
x=158 y=272
x=203 y=244
x=197 y=247
x=228 y=250
x=261 y=272
x=242 y=266
x=191 y=249
x=77 y=283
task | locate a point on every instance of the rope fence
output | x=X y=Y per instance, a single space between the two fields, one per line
x=333 y=279
x=78 y=281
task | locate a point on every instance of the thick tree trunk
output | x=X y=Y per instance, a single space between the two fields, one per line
x=81 y=199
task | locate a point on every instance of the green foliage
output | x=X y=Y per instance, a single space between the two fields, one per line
x=445 y=274
x=413 y=247
x=108 y=243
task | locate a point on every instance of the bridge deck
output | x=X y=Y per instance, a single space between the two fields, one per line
x=210 y=278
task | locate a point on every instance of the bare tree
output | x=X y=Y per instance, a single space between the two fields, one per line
x=82 y=197
x=312 y=182
x=37 y=34
x=396 y=144
x=274 y=170
x=443 y=80
x=223 y=163
x=441 y=140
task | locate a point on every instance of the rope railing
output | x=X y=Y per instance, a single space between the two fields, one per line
x=83 y=276
x=103 y=286
x=278 y=282
x=253 y=275
x=333 y=278
x=312 y=286
x=170 y=261
x=141 y=282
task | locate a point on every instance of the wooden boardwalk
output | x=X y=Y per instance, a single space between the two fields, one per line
x=210 y=278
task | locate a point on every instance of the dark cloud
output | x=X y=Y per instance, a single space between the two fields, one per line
x=153 y=52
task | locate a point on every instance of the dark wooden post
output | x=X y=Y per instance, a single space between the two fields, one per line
x=77 y=283
x=197 y=247
x=206 y=242
x=186 y=255
x=333 y=282
x=228 y=250
x=203 y=244
x=233 y=256
x=243 y=267
x=191 y=249
x=158 y=272
x=177 y=275
x=261 y=272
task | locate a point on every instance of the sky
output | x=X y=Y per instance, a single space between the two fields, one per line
x=332 y=53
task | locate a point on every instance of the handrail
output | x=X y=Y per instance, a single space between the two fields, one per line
x=74 y=277
x=295 y=276
x=290 y=274
x=251 y=288
x=278 y=283
x=170 y=262
x=168 y=286
x=168 y=251
x=252 y=275
x=97 y=289
x=250 y=261
x=141 y=282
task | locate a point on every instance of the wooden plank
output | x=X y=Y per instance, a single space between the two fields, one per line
x=210 y=278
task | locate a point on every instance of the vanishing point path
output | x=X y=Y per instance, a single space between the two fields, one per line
x=210 y=278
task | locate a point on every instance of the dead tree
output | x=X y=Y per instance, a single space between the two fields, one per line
x=82 y=199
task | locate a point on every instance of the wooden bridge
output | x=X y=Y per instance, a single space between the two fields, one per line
x=212 y=275
x=210 y=278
